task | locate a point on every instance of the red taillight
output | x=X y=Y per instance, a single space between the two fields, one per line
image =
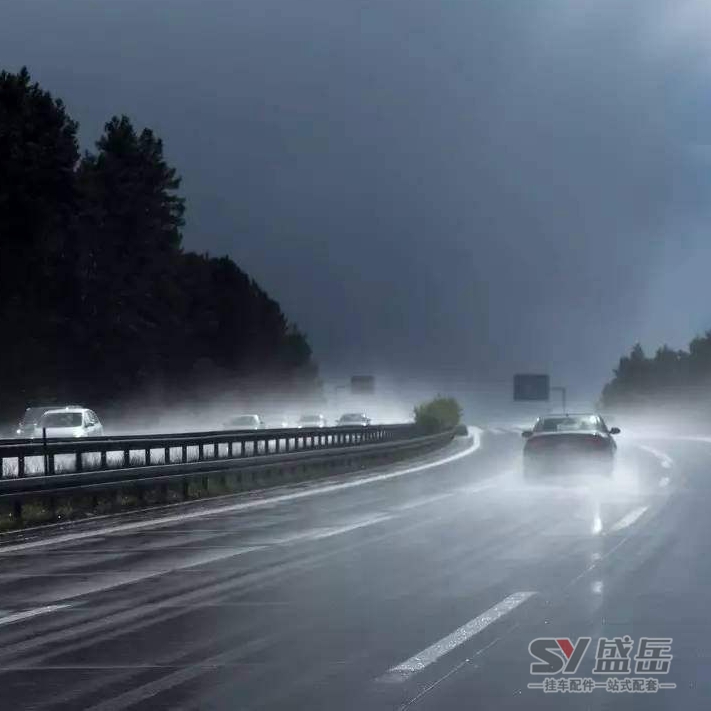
x=596 y=441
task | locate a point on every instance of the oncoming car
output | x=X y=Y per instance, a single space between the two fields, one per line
x=245 y=422
x=31 y=417
x=311 y=421
x=570 y=444
x=353 y=419
x=69 y=422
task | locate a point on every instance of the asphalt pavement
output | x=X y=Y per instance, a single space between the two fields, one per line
x=414 y=586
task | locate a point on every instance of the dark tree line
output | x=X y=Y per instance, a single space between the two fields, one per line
x=681 y=376
x=98 y=299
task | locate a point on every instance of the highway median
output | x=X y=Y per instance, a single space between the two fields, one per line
x=108 y=475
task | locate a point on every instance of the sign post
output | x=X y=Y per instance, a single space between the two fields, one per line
x=563 y=394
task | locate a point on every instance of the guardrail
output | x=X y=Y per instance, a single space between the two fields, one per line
x=230 y=460
x=39 y=457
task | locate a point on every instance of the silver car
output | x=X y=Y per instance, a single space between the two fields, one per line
x=69 y=422
x=245 y=422
x=28 y=424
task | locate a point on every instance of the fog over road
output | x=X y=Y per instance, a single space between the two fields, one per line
x=344 y=594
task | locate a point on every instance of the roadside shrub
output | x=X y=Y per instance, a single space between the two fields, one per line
x=442 y=413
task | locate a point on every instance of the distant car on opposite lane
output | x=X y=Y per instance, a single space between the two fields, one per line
x=245 y=422
x=69 y=422
x=569 y=443
x=306 y=421
x=353 y=419
x=31 y=417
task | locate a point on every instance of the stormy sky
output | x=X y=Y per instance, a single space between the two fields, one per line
x=452 y=189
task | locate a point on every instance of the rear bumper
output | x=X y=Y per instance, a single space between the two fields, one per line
x=542 y=464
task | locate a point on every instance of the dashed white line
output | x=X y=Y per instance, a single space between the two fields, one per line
x=423 y=501
x=464 y=633
x=27 y=614
x=664 y=459
x=316 y=534
x=627 y=520
x=115 y=579
x=243 y=506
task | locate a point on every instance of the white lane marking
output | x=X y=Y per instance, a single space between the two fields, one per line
x=245 y=506
x=628 y=519
x=317 y=534
x=481 y=487
x=422 y=501
x=115 y=579
x=27 y=614
x=432 y=653
x=664 y=459
x=147 y=691
x=337 y=530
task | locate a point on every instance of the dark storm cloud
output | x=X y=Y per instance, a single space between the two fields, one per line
x=449 y=188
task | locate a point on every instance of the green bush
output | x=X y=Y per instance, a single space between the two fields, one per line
x=442 y=413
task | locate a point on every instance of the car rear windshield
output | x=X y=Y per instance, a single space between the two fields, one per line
x=584 y=423
x=310 y=418
x=61 y=419
x=351 y=418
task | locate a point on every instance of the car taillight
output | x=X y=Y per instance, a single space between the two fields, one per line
x=596 y=441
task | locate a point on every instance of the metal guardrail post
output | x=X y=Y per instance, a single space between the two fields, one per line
x=44 y=451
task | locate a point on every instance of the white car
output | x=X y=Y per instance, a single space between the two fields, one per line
x=245 y=422
x=306 y=421
x=28 y=424
x=69 y=422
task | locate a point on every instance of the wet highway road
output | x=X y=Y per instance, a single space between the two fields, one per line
x=400 y=589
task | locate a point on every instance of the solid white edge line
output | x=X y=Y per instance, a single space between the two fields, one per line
x=431 y=654
x=27 y=614
x=475 y=433
x=628 y=519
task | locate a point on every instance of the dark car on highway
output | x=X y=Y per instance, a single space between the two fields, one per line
x=569 y=444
